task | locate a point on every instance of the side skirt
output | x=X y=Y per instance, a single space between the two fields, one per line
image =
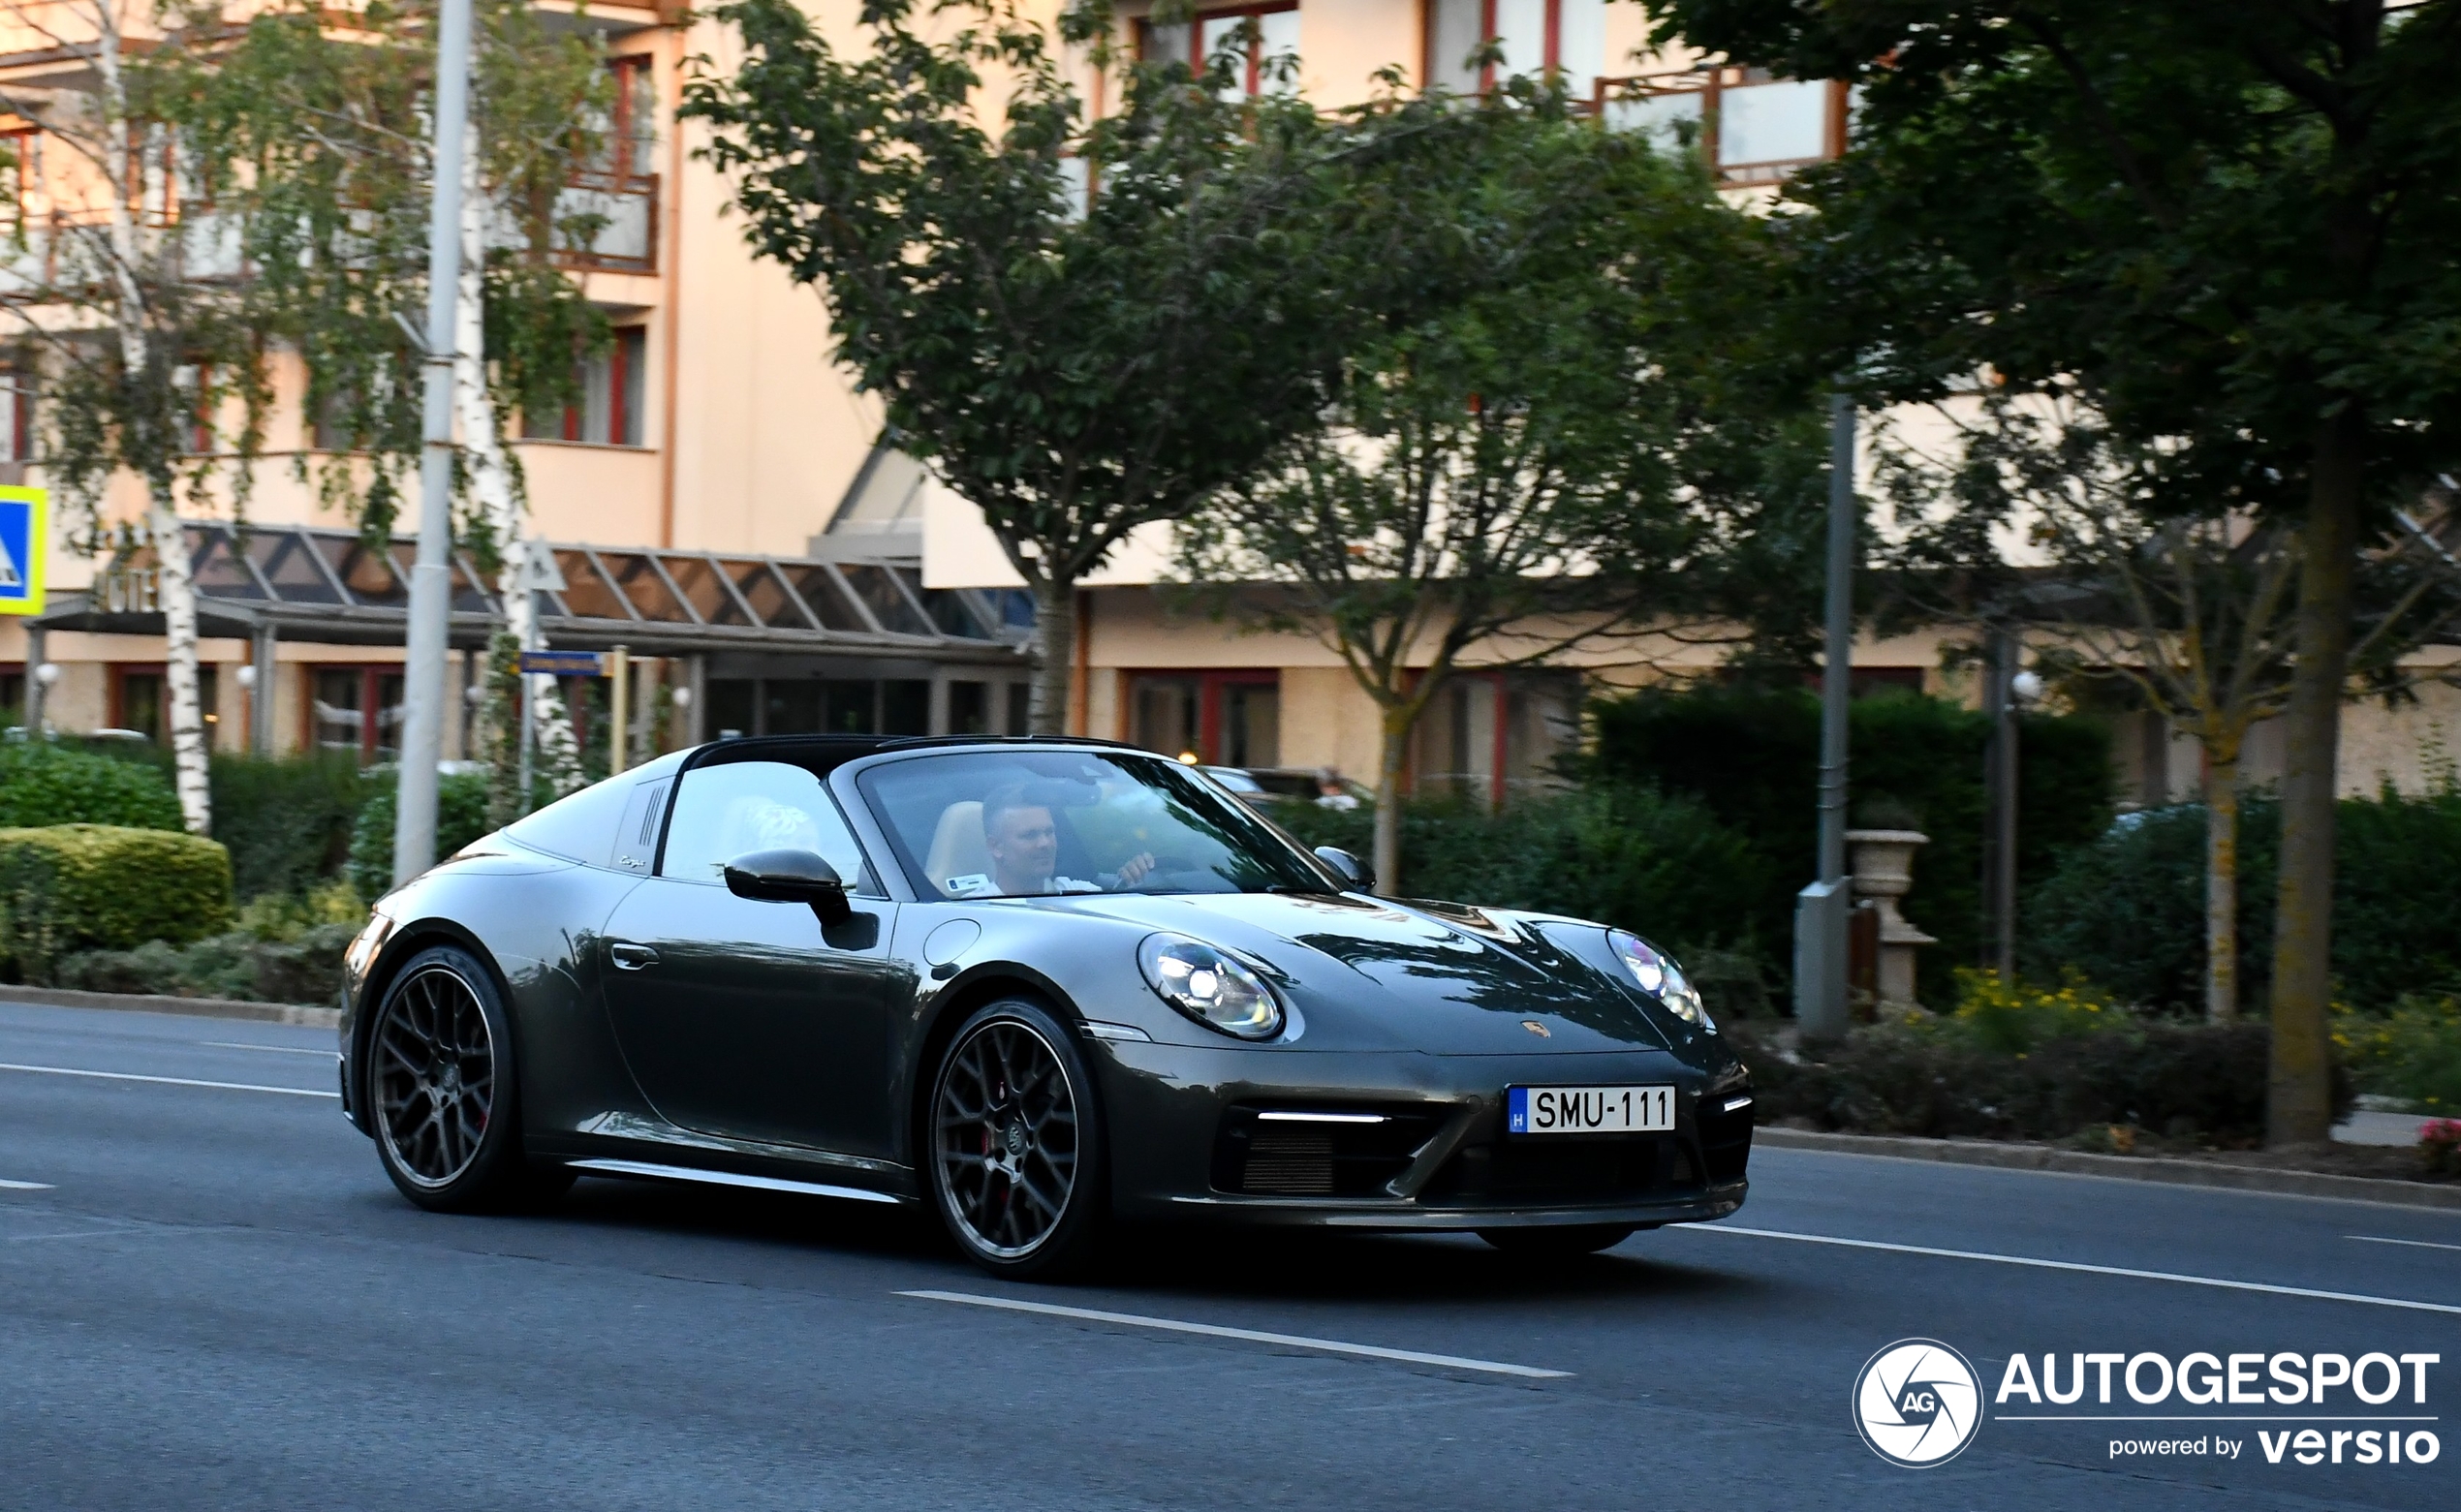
x=686 y=1173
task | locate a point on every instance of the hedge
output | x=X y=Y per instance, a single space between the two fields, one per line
x=98 y=887
x=2183 y=1081
x=43 y=781
x=287 y=821
x=1752 y=756
x=306 y=970
x=2128 y=910
x=462 y=817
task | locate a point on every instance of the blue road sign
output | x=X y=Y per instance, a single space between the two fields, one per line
x=565 y=663
x=24 y=524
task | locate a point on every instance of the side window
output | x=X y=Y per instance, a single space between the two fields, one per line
x=636 y=836
x=724 y=811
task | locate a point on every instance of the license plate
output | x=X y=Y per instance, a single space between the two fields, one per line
x=1589 y=1110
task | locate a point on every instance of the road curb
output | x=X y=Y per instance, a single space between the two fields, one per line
x=2127 y=1167
x=192 y=1008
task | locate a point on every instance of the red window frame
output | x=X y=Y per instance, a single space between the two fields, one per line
x=1195 y=23
x=1211 y=686
x=632 y=72
x=629 y=346
x=370 y=689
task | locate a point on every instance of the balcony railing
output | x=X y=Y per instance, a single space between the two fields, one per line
x=1754 y=129
x=625 y=206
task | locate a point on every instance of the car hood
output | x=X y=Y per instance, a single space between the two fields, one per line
x=1370 y=973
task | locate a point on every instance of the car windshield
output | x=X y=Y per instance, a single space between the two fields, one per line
x=1028 y=823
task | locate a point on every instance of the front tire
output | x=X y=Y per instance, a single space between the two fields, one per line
x=1015 y=1140
x=1558 y=1244
x=441 y=1091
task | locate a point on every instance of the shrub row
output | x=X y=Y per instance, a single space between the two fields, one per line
x=2181 y=1080
x=1752 y=756
x=236 y=964
x=2128 y=909
x=72 y=887
x=47 y=781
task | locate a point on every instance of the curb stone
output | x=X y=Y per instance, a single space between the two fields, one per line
x=192 y=1008
x=2127 y=1167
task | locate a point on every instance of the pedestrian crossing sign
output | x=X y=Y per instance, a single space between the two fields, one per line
x=24 y=516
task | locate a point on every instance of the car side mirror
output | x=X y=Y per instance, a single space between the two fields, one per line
x=789 y=876
x=1355 y=875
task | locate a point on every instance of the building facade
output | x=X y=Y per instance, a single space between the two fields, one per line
x=720 y=505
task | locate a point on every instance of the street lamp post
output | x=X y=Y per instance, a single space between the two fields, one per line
x=432 y=575
x=1821 y=910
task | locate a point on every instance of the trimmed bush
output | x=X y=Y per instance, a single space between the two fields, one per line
x=2128 y=910
x=1938 y=1079
x=43 y=781
x=287 y=821
x=2413 y=1053
x=307 y=970
x=97 y=886
x=1752 y=755
x=462 y=817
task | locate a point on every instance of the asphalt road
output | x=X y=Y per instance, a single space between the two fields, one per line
x=210 y=1297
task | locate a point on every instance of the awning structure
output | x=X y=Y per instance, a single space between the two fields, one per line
x=331 y=586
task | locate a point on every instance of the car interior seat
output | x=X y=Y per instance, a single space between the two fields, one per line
x=957 y=846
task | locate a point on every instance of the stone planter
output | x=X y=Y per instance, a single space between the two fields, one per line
x=1883 y=867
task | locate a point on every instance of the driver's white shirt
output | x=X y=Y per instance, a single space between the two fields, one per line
x=979 y=884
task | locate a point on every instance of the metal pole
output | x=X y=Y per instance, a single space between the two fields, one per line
x=1821 y=910
x=2000 y=785
x=260 y=697
x=38 y=642
x=431 y=576
x=619 y=709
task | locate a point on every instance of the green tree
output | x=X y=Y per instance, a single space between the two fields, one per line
x=1503 y=478
x=2228 y=221
x=1085 y=326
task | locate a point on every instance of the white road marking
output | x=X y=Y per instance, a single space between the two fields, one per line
x=2075 y=1265
x=2415 y=1244
x=25 y=1185
x=234 y=1044
x=1170 y=1325
x=169 y=1081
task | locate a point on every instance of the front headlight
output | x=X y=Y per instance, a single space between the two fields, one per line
x=1210 y=986
x=1660 y=977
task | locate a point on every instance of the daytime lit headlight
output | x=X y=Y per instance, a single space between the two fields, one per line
x=1661 y=979
x=1210 y=986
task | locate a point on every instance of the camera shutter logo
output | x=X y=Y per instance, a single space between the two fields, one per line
x=1917 y=1403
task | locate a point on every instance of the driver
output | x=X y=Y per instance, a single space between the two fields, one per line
x=1025 y=844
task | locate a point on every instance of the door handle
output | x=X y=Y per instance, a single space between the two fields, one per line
x=630 y=957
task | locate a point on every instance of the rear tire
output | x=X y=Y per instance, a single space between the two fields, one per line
x=1561 y=1243
x=1015 y=1143
x=443 y=1091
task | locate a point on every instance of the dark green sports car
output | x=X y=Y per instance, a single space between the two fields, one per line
x=1041 y=985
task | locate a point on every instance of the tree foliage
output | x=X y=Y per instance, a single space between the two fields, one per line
x=1084 y=324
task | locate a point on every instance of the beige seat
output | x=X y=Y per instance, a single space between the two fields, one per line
x=958 y=846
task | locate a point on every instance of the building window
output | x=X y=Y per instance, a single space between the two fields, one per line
x=613 y=384
x=1752 y=127
x=1567 y=37
x=1221 y=718
x=17 y=416
x=141 y=701
x=632 y=130
x=1487 y=737
x=358 y=710
x=1195 y=41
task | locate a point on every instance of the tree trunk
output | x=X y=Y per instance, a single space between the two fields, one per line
x=1397 y=723
x=2222 y=889
x=1055 y=652
x=490 y=478
x=2298 y=1106
x=176 y=592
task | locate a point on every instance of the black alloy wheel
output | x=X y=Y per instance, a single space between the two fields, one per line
x=439 y=1089
x=1562 y=1244
x=1016 y=1151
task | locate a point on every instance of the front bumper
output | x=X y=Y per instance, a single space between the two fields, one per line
x=1188 y=1140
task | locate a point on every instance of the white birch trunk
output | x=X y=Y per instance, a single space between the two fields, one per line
x=490 y=478
x=176 y=587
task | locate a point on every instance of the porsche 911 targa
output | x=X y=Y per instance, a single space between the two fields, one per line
x=1039 y=985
